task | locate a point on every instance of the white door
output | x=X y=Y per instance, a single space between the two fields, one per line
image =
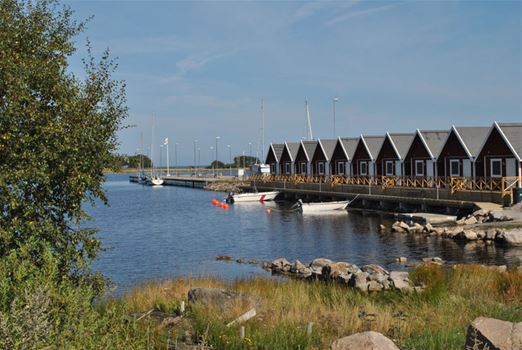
x=398 y=168
x=511 y=167
x=466 y=168
x=371 y=168
x=429 y=168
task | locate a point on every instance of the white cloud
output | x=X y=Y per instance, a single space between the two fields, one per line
x=353 y=14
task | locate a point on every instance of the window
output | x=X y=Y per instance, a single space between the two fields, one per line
x=389 y=168
x=303 y=168
x=320 y=168
x=272 y=168
x=419 y=168
x=454 y=167
x=363 y=168
x=340 y=168
x=496 y=167
x=288 y=169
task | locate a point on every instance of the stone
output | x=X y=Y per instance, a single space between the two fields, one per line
x=470 y=235
x=470 y=221
x=396 y=227
x=489 y=333
x=373 y=268
x=364 y=341
x=400 y=280
x=480 y=212
x=460 y=221
x=337 y=268
x=374 y=286
x=434 y=261
x=223 y=258
x=416 y=228
x=296 y=266
x=401 y=259
x=304 y=273
x=343 y=278
x=359 y=281
x=481 y=234
x=428 y=227
x=378 y=277
x=382 y=228
x=511 y=237
x=279 y=263
x=319 y=263
x=437 y=230
x=217 y=297
x=404 y=225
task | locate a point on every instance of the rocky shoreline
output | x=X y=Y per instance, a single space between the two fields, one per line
x=481 y=225
x=226 y=186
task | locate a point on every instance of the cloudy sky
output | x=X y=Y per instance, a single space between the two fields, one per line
x=202 y=68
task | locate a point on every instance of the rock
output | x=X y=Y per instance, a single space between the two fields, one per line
x=217 y=297
x=460 y=221
x=396 y=227
x=404 y=225
x=297 y=266
x=491 y=234
x=374 y=286
x=382 y=228
x=480 y=212
x=223 y=258
x=319 y=263
x=364 y=341
x=359 y=281
x=279 y=264
x=373 y=268
x=241 y=260
x=428 y=227
x=401 y=259
x=481 y=234
x=470 y=221
x=466 y=235
x=416 y=228
x=378 y=277
x=437 y=230
x=343 y=278
x=511 y=237
x=489 y=333
x=435 y=261
x=335 y=269
x=169 y=322
x=400 y=280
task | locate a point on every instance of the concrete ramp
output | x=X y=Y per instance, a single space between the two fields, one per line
x=425 y=218
x=488 y=206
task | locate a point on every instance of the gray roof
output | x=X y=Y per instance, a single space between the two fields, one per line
x=402 y=143
x=374 y=144
x=513 y=132
x=278 y=150
x=350 y=144
x=309 y=147
x=435 y=140
x=329 y=147
x=293 y=147
x=473 y=137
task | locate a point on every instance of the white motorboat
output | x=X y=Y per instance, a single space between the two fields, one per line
x=323 y=207
x=252 y=197
x=156 y=181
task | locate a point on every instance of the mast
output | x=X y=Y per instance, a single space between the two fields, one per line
x=308 y=122
x=262 y=128
x=152 y=149
x=141 y=153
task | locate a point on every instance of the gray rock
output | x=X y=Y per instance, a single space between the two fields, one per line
x=364 y=341
x=480 y=212
x=428 y=227
x=400 y=280
x=489 y=333
x=373 y=268
x=280 y=263
x=378 y=277
x=435 y=260
x=343 y=278
x=491 y=234
x=511 y=237
x=470 y=235
x=470 y=221
x=481 y=234
x=296 y=266
x=382 y=228
x=404 y=225
x=319 y=263
x=401 y=259
x=374 y=286
x=359 y=281
x=416 y=228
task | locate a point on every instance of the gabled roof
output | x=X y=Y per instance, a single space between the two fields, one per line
x=292 y=148
x=400 y=143
x=349 y=144
x=513 y=134
x=433 y=140
x=328 y=147
x=373 y=145
x=309 y=148
x=471 y=138
x=277 y=149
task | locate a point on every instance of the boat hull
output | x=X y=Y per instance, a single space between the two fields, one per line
x=325 y=207
x=255 y=197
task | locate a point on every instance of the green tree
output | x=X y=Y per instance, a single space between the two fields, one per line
x=57 y=134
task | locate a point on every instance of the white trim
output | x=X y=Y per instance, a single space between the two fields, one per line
x=496 y=126
x=393 y=145
x=386 y=162
x=491 y=160
x=322 y=148
x=417 y=161
x=451 y=162
x=289 y=152
x=508 y=143
x=425 y=144
x=453 y=128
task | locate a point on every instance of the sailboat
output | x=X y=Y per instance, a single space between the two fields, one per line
x=155 y=179
x=261 y=168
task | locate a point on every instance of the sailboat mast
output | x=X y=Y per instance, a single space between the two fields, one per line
x=141 y=154
x=262 y=128
x=152 y=149
x=309 y=123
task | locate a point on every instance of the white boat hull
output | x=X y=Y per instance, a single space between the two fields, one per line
x=324 y=207
x=255 y=197
x=156 y=181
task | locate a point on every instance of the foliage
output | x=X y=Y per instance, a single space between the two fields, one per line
x=58 y=133
x=216 y=165
x=245 y=161
x=120 y=161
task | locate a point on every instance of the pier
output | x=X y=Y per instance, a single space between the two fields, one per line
x=190 y=181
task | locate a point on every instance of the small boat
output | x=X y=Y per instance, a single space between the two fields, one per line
x=252 y=197
x=156 y=181
x=323 y=207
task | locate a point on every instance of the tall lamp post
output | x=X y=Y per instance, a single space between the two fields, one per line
x=176 y=155
x=212 y=156
x=217 y=139
x=250 y=152
x=335 y=100
x=229 y=160
x=199 y=157
x=166 y=143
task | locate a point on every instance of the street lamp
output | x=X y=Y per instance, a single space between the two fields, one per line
x=199 y=157
x=195 y=143
x=212 y=155
x=176 y=156
x=335 y=100
x=159 y=165
x=229 y=160
x=217 y=139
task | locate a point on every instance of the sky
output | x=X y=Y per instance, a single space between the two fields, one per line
x=202 y=68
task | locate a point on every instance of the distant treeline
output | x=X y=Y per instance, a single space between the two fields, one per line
x=125 y=161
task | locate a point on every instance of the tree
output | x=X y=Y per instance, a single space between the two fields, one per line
x=217 y=164
x=245 y=161
x=57 y=134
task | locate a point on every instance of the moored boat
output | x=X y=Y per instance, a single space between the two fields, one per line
x=252 y=197
x=323 y=207
x=156 y=181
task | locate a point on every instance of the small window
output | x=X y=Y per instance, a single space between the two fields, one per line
x=363 y=168
x=288 y=168
x=340 y=168
x=389 y=168
x=303 y=168
x=496 y=167
x=320 y=167
x=455 y=167
x=419 y=167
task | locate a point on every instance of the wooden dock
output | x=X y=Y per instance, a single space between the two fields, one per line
x=189 y=181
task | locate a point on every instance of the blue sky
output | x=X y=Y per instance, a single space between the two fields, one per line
x=202 y=68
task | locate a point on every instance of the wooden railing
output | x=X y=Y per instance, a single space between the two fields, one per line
x=503 y=185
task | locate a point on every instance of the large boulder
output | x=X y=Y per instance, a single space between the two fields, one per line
x=401 y=280
x=364 y=341
x=511 y=237
x=280 y=264
x=359 y=281
x=319 y=263
x=489 y=333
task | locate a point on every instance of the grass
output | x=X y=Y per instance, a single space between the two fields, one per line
x=433 y=319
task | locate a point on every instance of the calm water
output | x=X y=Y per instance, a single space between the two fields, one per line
x=169 y=231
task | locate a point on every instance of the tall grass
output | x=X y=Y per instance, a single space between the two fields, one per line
x=433 y=319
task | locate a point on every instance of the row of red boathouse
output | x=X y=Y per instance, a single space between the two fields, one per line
x=462 y=152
